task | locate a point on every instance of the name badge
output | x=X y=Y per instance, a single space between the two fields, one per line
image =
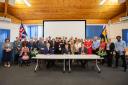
x=42 y=48
x=59 y=48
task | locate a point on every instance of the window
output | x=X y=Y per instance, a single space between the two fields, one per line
x=34 y=31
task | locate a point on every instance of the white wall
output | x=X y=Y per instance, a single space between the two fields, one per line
x=116 y=29
x=14 y=29
x=113 y=29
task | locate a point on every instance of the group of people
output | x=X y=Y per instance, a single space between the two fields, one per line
x=21 y=50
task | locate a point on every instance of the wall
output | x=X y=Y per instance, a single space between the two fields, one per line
x=14 y=29
x=116 y=29
x=113 y=29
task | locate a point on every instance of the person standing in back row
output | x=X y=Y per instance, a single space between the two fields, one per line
x=16 y=50
x=95 y=45
x=120 y=46
x=110 y=50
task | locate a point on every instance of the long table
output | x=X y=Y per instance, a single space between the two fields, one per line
x=67 y=57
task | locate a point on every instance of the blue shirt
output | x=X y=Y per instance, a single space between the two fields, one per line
x=95 y=44
x=120 y=46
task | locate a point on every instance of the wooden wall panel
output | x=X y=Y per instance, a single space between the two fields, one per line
x=1 y=7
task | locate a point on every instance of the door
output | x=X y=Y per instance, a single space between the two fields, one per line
x=4 y=33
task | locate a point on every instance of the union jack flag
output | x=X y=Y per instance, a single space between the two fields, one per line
x=22 y=32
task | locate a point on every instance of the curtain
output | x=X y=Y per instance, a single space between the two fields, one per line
x=34 y=31
x=4 y=33
x=93 y=30
x=125 y=35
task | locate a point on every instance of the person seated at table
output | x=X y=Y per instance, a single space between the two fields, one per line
x=47 y=51
x=82 y=51
x=25 y=55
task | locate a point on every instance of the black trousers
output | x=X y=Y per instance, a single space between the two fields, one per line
x=50 y=63
x=123 y=60
x=95 y=51
x=16 y=58
x=7 y=56
x=109 y=58
x=82 y=62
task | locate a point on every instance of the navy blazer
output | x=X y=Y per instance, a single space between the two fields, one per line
x=48 y=51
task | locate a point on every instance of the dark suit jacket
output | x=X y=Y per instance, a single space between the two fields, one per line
x=57 y=47
x=48 y=51
x=80 y=50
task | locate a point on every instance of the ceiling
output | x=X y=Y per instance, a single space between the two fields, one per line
x=65 y=9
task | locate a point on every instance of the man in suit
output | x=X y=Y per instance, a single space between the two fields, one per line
x=47 y=51
x=57 y=48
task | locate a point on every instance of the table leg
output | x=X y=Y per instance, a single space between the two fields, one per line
x=69 y=65
x=64 y=66
x=37 y=65
x=99 y=70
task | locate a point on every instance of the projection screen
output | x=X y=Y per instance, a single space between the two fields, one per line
x=64 y=28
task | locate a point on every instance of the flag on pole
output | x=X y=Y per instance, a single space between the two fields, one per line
x=103 y=35
x=22 y=32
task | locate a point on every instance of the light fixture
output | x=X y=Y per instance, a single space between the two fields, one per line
x=102 y=2
x=27 y=3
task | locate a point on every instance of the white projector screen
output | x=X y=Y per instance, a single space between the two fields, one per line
x=64 y=28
